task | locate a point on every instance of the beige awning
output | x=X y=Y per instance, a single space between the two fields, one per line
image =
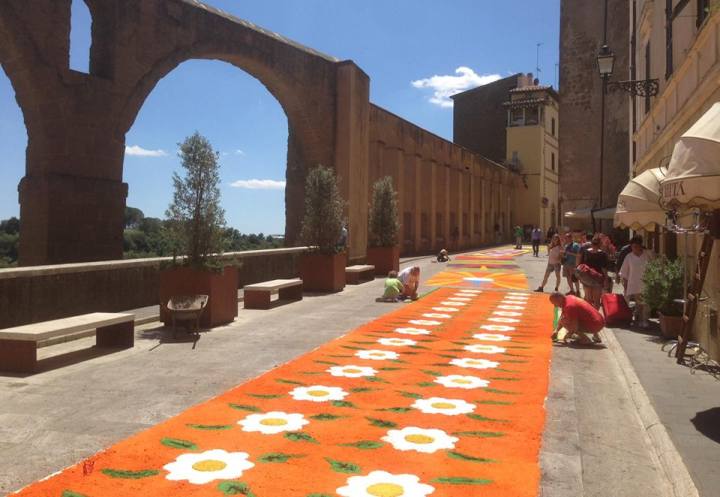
x=638 y=204
x=587 y=214
x=693 y=176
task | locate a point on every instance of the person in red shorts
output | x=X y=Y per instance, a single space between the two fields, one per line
x=578 y=318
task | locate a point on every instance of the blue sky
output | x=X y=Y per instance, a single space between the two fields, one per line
x=416 y=52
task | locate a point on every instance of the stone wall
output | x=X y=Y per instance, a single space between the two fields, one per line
x=40 y=293
x=581 y=34
x=442 y=188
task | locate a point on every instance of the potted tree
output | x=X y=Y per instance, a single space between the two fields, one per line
x=384 y=252
x=322 y=269
x=663 y=284
x=196 y=221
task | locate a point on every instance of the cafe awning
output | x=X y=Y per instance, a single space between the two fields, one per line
x=638 y=204
x=693 y=176
x=606 y=213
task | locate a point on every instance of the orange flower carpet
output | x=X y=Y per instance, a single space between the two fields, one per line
x=488 y=269
x=443 y=397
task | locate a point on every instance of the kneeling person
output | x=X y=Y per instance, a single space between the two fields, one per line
x=578 y=318
x=393 y=287
x=410 y=277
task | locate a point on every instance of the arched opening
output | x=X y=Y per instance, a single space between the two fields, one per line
x=13 y=143
x=245 y=124
x=80 y=36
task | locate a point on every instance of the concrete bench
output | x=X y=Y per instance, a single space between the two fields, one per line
x=18 y=345
x=354 y=275
x=257 y=295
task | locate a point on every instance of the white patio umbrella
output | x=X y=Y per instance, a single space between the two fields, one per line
x=638 y=204
x=693 y=176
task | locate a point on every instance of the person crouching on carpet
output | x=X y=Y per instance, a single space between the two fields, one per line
x=579 y=318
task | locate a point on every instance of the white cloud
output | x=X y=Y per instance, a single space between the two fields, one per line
x=259 y=184
x=138 y=151
x=446 y=86
x=239 y=152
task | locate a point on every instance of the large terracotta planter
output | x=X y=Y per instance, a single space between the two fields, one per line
x=323 y=273
x=670 y=326
x=221 y=287
x=385 y=259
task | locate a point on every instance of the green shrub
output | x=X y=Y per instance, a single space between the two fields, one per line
x=384 y=224
x=663 y=283
x=323 y=220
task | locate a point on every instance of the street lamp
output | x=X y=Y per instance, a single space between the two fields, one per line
x=605 y=64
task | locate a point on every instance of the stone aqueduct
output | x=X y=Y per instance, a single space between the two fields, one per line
x=72 y=197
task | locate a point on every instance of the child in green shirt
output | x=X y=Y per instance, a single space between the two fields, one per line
x=393 y=287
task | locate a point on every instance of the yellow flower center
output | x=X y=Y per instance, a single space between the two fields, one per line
x=385 y=490
x=353 y=371
x=474 y=362
x=460 y=381
x=377 y=354
x=443 y=405
x=317 y=393
x=209 y=465
x=273 y=422
x=419 y=439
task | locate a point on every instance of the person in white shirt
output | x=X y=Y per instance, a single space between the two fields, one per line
x=555 y=251
x=410 y=278
x=631 y=272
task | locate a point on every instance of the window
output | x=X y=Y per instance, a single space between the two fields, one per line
x=532 y=116
x=552 y=160
x=552 y=126
x=647 y=74
x=703 y=10
x=80 y=36
x=517 y=117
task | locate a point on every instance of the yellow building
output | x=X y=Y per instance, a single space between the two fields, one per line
x=532 y=151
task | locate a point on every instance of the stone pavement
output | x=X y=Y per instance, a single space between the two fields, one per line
x=594 y=442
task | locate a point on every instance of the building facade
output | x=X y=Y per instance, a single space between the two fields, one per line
x=581 y=99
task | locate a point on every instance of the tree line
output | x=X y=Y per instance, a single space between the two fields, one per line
x=143 y=237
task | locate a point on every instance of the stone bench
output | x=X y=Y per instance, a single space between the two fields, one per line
x=257 y=295
x=18 y=345
x=354 y=275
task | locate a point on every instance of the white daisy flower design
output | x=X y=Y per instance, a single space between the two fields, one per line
x=412 y=331
x=318 y=393
x=497 y=327
x=424 y=322
x=271 y=423
x=460 y=299
x=377 y=355
x=451 y=303
x=485 y=349
x=445 y=309
x=507 y=314
x=511 y=307
x=207 y=466
x=422 y=440
x=462 y=381
x=466 y=362
x=503 y=320
x=439 y=405
x=436 y=315
x=384 y=484
x=492 y=337
x=353 y=371
x=397 y=342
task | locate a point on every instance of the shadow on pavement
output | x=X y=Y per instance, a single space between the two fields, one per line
x=708 y=423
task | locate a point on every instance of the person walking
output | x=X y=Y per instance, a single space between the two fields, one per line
x=593 y=279
x=518 y=232
x=554 y=264
x=570 y=262
x=631 y=273
x=536 y=237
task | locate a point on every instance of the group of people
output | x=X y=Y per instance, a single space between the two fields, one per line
x=403 y=285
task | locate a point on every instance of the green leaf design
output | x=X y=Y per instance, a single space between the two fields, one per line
x=461 y=480
x=343 y=403
x=362 y=389
x=381 y=423
x=459 y=343
x=326 y=417
x=70 y=493
x=266 y=395
x=500 y=370
x=494 y=402
x=289 y=382
x=364 y=445
x=330 y=363
x=442 y=364
x=339 y=356
x=351 y=347
x=300 y=436
x=343 y=467
x=362 y=343
x=397 y=409
x=311 y=373
x=465 y=457
x=417 y=347
x=479 y=417
x=410 y=395
x=390 y=368
x=479 y=434
x=319 y=495
x=235 y=488
x=515 y=361
x=447 y=356
x=503 y=378
x=210 y=427
x=500 y=392
x=244 y=407
x=375 y=379
x=278 y=457
x=426 y=384
x=432 y=373
x=177 y=443
x=129 y=475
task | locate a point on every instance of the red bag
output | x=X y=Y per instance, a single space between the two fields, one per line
x=616 y=309
x=588 y=276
